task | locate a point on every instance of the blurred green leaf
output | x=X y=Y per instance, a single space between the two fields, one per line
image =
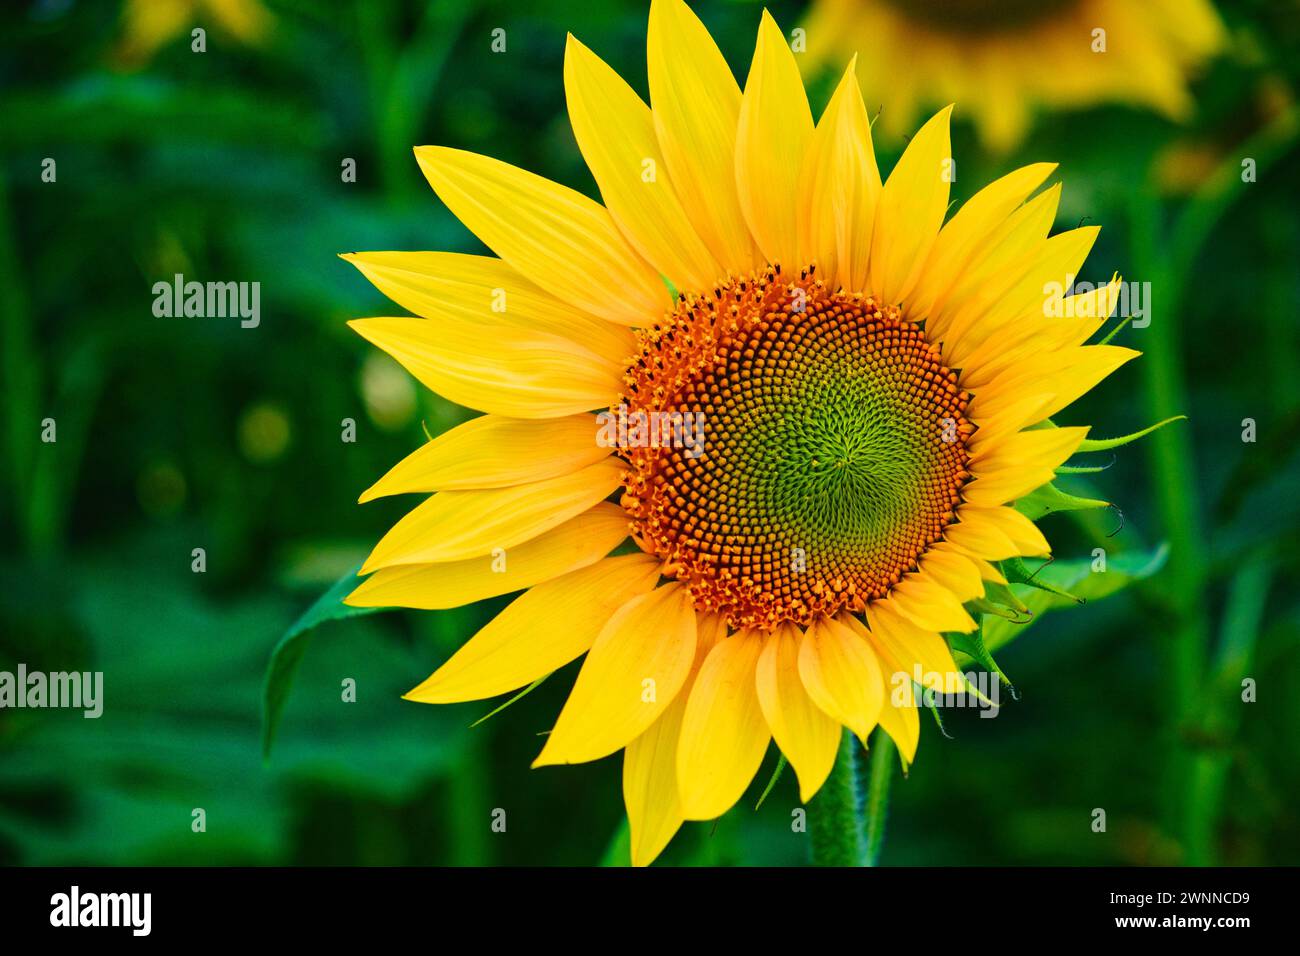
x=289 y=651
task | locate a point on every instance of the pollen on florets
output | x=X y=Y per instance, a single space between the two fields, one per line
x=833 y=447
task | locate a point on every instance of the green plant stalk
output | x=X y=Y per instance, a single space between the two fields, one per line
x=833 y=815
x=23 y=384
x=883 y=757
x=1242 y=618
x=1172 y=464
x=1168 y=268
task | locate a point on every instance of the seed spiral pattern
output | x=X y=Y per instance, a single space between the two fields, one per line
x=834 y=448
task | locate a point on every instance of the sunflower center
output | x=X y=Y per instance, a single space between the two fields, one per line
x=830 y=448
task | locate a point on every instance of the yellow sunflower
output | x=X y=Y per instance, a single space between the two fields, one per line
x=149 y=25
x=801 y=461
x=998 y=58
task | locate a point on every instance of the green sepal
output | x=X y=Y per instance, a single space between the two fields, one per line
x=776 y=775
x=1048 y=499
x=985 y=606
x=972 y=646
x=1080 y=582
x=496 y=710
x=1105 y=444
x=1015 y=571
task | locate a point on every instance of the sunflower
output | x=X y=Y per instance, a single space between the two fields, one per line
x=874 y=387
x=999 y=57
x=149 y=25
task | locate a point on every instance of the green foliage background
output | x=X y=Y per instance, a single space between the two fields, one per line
x=175 y=434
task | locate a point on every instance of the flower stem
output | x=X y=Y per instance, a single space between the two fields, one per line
x=883 y=756
x=833 y=815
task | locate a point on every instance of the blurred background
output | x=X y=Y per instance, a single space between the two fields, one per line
x=231 y=164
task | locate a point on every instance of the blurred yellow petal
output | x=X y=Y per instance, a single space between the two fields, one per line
x=541 y=630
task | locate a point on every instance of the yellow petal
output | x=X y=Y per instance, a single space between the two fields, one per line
x=918 y=652
x=616 y=135
x=634 y=670
x=953 y=571
x=557 y=237
x=840 y=187
x=774 y=129
x=541 y=630
x=807 y=736
x=494 y=452
x=1018 y=529
x=654 y=809
x=961 y=237
x=453 y=525
x=696 y=106
x=1057 y=261
x=575 y=544
x=501 y=369
x=723 y=736
x=981 y=539
x=996 y=264
x=1063 y=375
x=928 y=604
x=898 y=714
x=481 y=290
x=1039 y=448
x=911 y=210
x=841 y=675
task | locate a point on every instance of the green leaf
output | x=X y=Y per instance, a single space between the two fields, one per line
x=289 y=651
x=776 y=775
x=1048 y=499
x=1105 y=444
x=1077 y=578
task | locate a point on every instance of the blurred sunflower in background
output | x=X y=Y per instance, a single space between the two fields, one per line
x=874 y=389
x=1000 y=58
x=149 y=25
